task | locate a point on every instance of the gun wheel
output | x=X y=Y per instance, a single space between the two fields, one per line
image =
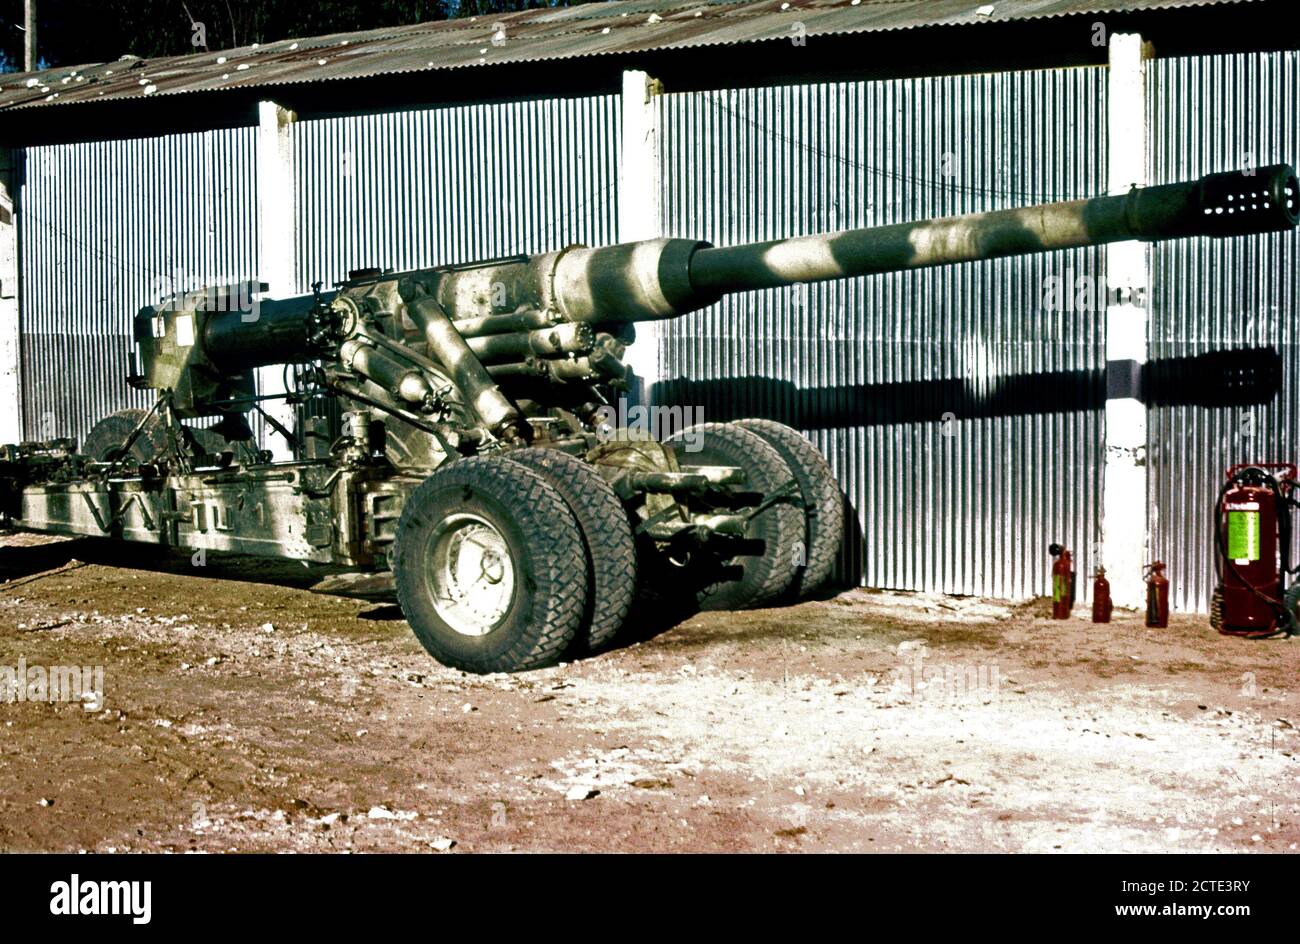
x=606 y=535
x=106 y=438
x=490 y=567
x=760 y=567
x=822 y=501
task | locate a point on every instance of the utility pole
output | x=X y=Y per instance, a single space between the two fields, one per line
x=29 y=60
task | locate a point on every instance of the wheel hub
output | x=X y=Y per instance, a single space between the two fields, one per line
x=473 y=574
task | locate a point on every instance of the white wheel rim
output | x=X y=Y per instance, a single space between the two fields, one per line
x=473 y=575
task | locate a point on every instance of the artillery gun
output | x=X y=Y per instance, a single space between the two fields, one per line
x=477 y=458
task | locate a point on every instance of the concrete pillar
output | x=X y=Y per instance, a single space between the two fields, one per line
x=10 y=392
x=640 y=204
x=277 y=246
x=1124 y=496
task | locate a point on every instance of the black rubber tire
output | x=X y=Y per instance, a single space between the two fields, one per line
x=823 y=503
x=108 y=435
x=607 y=540
x=110 y=432
x=777 y=531
x=545 y=547
x=1216 y=609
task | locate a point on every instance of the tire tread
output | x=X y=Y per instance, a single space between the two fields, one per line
x=823 y=501
x=607 y=536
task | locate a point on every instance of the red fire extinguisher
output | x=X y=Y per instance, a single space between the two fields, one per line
x=1157 y=595
x=1101 y=605
x=1062 y=582
x=1253 y=539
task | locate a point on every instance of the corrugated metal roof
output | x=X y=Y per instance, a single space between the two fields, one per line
x=623 y=26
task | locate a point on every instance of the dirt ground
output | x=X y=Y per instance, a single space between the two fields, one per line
x=243 y=711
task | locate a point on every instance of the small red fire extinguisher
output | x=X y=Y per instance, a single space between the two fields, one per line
x=1157 y=595
x=1062 y=582
x=1101 y=605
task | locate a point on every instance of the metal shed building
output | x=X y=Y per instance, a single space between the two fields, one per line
x=973 y=414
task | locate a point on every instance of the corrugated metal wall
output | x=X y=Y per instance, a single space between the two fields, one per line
x=455 y=184
x=964 y=420
x=105 y=228
x=1214 y=114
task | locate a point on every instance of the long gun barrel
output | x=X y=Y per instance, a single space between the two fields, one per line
x=664 y=278
x=1228 y=204
x=559 y=318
